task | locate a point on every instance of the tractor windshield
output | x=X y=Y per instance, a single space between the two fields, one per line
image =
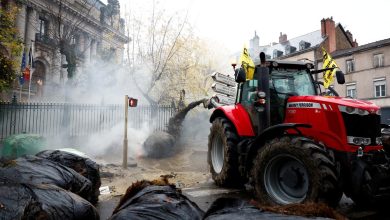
x=294 y=82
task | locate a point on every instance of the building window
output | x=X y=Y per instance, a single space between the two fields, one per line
x=378 y=60
x=350 y=66
x=351 y=90
x=380 y=87
x=42 y=27
x=304 y=45
x=277 y=53
x=73 y=40
x=290 y=49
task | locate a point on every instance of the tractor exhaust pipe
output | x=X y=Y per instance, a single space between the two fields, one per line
x=262 y=76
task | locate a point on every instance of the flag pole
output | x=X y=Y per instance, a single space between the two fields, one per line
x=23 y=66
x=20 y=91
x=31 y=70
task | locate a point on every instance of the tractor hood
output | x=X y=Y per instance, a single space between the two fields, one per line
x=348 y=102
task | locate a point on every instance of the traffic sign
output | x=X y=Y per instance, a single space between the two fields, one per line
x=224 y=89
x=219 y=77
x=225 y=100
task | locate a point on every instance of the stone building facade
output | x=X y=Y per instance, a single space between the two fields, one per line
x=99 y=33
x=367 y=74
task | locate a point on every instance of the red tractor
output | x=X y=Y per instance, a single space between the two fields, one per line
x=295 y=141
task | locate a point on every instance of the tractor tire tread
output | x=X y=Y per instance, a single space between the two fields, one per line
x=229 y=175
x=324 y=185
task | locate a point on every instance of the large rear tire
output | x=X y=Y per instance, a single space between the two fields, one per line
x=295 y=170
x=222 y=153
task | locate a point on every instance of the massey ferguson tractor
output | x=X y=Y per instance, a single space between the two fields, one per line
x=295 y=141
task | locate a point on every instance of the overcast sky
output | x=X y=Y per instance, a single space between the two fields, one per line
x=233 y=23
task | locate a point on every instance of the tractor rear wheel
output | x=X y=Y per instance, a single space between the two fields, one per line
x=295 y=170
x=222 y=153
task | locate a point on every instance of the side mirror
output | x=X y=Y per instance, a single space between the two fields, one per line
x=340 y=77
x=240 y=75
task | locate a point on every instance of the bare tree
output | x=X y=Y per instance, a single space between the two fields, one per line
x=167 y=57
x=156 y=41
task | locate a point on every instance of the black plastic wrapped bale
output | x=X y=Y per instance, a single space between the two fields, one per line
x=43 y=202
x=232 y=208
x=159 y=145
x=146 y=200
x=35 y=170
x=17 y=202
x=82 y=165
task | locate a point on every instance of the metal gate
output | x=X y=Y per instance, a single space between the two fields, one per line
x=75 y=120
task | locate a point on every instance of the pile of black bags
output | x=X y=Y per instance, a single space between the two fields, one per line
x=43 y=201
x=155 y=200
x=82 y=165
x=51 y=185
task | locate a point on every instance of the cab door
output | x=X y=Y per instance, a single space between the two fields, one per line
x=247 y=99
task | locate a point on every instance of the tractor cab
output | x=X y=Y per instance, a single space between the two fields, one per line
x=285 y=79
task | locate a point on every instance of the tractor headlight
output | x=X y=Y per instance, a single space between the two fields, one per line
x=353 y=110
x=366 y=141
x=358 y=140
x=350 y=110
x=360 y=111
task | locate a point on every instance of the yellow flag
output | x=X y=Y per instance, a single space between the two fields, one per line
x=247 y=63
x=328 y=62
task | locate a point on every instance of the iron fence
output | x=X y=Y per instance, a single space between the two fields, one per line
x=76 y=120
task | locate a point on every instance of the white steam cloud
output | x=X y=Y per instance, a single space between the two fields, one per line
x=103 y=83
x=196 y=128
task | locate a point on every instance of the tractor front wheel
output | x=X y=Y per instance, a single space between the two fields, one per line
x=222 y=153
x=295 y=170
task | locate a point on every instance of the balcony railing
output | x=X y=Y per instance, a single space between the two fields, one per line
x=44 y=39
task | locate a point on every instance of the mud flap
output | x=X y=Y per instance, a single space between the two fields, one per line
x=243 y=148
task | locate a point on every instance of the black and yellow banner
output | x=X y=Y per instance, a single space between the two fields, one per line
x=328 y=62
x=247 y=63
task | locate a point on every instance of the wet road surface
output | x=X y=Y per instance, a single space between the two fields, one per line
x=205 y=192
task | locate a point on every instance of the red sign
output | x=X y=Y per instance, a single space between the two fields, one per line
x=133 y=102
